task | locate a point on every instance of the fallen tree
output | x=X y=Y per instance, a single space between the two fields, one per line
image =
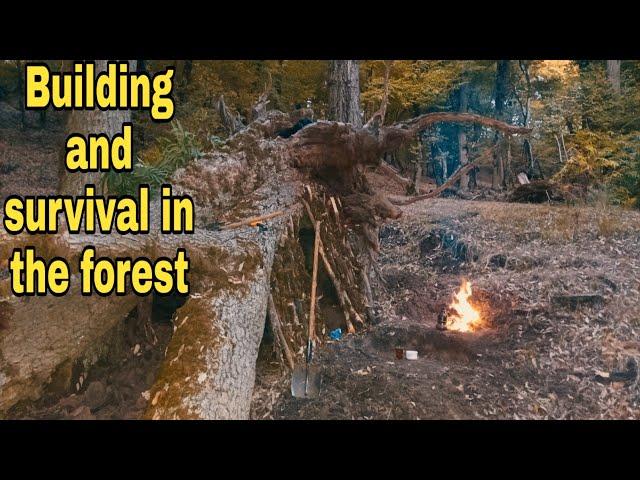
x=209 y=367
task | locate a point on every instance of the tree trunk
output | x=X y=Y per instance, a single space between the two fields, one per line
x=415 y=169
x=183 y=77
x=497 y=179
x=501 y=95
x=209 y=368
x=613 y=74
x=186 y=72
x=86 y=122
x=559 y=148
x=344 y=92
x=50 y=341
x=534 y=167
x=501 y=88
x=463 y=96
x=21 y=93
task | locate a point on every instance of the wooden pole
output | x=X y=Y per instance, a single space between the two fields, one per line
x=274 y=319
x=252 y=221
x=314 y=284
x=345 y=301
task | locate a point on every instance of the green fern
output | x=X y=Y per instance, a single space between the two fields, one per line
x=178 y=150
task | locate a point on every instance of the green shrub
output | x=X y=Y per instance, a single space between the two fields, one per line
x=605 y=160
x=170 y=153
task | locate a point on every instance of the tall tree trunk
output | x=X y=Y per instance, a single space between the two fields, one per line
x=21 y=93
x=534 y=167
x=613 y=74
x=344 y=92
x=184 y=70
x=502 y=87
x=417 y=161
x=187 y=71
x=463 y=95
x=87 y=122
x=501 y=92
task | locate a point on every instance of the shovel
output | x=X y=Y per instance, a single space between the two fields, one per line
x=305 y=381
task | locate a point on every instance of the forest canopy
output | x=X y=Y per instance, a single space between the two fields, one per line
x=585 y=123
x=584 y=115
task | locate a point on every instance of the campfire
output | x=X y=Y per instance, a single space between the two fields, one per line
x=461 y=315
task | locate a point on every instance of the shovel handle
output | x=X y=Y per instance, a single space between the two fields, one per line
x=309 y=351
x=314 y=283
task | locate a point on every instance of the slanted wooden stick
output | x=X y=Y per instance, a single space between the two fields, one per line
x=274 y=319
x=314 y=283
x=448 y=184
x=252 y=220
x=391 y=173
x=345 y=301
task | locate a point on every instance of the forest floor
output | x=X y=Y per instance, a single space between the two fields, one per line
x=547 y=351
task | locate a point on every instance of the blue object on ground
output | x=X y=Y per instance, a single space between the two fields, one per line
x=336 y=334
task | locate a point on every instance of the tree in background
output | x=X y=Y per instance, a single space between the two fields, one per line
x=601 y=141
x=87 y=122
x=500 y=99
x=344 y=92
x=468 y=180
x=613 y=74
x=415 y=87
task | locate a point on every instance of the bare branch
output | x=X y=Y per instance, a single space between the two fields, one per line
x=391 y=172
x=377 y=119
x=260 y=107
x=231 y=121
x=434 y=193
x=398 y=134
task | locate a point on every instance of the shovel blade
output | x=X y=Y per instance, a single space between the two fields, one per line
x=305 y=382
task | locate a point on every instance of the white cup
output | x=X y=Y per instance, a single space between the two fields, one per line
x=411 y=354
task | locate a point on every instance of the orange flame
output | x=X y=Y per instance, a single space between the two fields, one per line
x=464 y=317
